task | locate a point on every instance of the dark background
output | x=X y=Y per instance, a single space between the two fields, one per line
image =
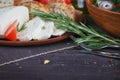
x=68 y=64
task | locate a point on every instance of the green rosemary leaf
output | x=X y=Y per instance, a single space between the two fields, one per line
x=87 y=33
x=21 y=28
x=17 y=27
x=96 y=2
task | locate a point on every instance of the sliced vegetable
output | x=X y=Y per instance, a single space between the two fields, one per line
x=113 y=5
x=11 y=32
x=67 y=1
x=105 y=5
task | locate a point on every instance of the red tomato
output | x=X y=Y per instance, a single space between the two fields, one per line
x=11 y=32
x=67 y=1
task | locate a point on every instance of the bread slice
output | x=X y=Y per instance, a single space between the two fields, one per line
x=18 y=2
x=58 y=6
x=31 y=5
x=5 y=3
x=35 y=5
x=61 y=7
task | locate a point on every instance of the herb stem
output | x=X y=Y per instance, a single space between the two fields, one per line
x=81 y=29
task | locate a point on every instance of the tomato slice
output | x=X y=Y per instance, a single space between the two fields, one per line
x=11 y=31
x=67 y=1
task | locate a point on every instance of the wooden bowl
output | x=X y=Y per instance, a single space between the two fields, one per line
x=108 y=20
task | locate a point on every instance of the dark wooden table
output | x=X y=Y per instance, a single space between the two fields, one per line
x=66 y=63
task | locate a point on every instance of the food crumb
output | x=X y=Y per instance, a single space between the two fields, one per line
x=62 y=64
x=68 y=43
x=46 y=61
x=110 y=61
x=20 y=67
x=94 y=62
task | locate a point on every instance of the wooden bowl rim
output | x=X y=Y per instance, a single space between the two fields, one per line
x=88 y=2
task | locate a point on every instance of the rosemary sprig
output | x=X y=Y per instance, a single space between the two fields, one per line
x=96 y=2
x=87 y=34
x=21 y=28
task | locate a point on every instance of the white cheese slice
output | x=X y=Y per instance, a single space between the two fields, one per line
x=10 y=14
x=46 y=31
x=37 y=29
x=33 y=27
x=58 y=32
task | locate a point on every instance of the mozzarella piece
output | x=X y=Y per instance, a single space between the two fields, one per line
x=58 y=32
x=37 y=29
x=46 y=31
x=10 y=14
x=33 y=27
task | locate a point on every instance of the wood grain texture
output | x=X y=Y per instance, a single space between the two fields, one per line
x=108 y=20
x=64 y=65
